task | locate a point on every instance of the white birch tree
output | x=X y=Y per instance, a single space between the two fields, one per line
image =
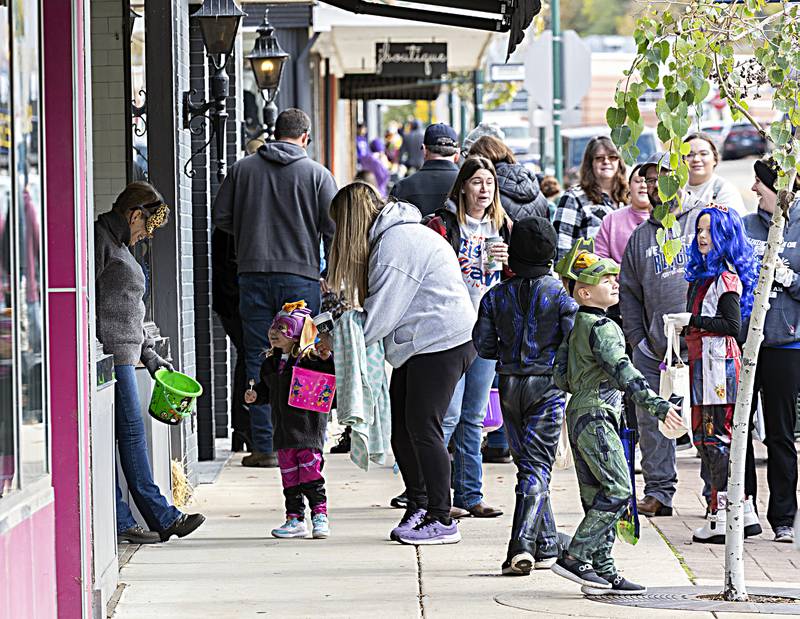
x=745 y=49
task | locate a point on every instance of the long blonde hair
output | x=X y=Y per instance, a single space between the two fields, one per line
x=495 y=212
x=353 y=209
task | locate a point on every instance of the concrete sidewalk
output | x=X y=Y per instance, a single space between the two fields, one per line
x=232 y=568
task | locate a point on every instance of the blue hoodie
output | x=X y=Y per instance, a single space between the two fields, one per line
x=782 y=325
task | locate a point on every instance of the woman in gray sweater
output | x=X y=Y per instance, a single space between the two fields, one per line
x=407 y=279
x=120 y=286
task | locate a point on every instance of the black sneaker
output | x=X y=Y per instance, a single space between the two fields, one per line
x=184 y=525
x=400 y=501
x=581 y=573
x=137 y=535
x=619 y=586
x=343 y=446
x=496 y=455
x=518 y=565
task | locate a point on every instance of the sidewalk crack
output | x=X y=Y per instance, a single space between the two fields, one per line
x=420 y=594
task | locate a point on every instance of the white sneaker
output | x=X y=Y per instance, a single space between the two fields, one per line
x=751 y=524
x=320 y=527
x=291 y=528
x=713 y=531
x=637 y=460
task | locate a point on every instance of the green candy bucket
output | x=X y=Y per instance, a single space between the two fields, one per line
x=174 y=397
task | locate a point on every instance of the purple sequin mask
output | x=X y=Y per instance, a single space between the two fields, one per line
x=291 y=320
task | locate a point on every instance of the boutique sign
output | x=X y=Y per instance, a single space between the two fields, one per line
x=411 y=59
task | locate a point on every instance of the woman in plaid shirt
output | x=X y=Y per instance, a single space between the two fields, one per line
x=602 y=188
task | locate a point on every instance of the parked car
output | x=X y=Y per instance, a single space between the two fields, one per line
x=518 y=138
x=575 y=140
x=717 y=130
x=743 y=140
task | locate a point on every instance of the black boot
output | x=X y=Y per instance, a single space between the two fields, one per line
x=343 y=446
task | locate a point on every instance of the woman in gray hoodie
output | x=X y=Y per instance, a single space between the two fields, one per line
x=120 y=286
x=407 y=280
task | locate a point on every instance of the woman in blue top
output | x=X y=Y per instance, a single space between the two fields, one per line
x=778 y=370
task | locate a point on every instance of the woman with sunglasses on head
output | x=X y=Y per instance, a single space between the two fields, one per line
x=120 y=287
x=602 y=189
x=705 y=185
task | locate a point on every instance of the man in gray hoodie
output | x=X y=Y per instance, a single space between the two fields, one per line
x=275 y=203
x=650 y=288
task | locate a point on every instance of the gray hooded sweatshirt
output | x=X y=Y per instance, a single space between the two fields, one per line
x=649 y=287
x=275 y=203
x=417 y=301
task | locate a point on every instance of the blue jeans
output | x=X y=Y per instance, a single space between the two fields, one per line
x=261 y=296
x=156 y=511
x=464 y=422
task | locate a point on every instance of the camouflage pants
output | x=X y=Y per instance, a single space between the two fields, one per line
x=533 y=408
x=604 y=484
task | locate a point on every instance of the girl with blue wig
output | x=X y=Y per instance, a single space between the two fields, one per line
x=722 y=276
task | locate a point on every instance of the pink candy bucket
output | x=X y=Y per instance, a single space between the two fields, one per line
x=494 y=414
x=312 y=391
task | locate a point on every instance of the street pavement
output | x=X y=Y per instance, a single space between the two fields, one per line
x=232 y=568
x=740 y=173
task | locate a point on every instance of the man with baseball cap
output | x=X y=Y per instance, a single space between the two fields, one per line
x=427 y=189
x=650 y=288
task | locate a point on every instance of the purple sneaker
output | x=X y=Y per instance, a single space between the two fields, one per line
x=429 y=532
x=410 y=519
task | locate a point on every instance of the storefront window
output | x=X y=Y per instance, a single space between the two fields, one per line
x=23 y=418
x=7 y=413
x=26 y=61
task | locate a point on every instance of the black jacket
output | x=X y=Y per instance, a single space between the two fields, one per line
x=519 y=192
x=224 y=281
x=428 y=188
x=293 y=428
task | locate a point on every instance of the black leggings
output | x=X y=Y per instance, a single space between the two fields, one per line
x=778 y=379
x=420 y=392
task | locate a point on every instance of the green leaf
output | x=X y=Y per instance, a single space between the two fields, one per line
x=685 y=148
x=663 y=132
x=727 y=50
x=650 y=75
x=661 y=237
x=700 y=95
x=780 y=133
x=672 y=99
x=671 y=250
x=615 y=117
x=632 y=109
x=667 y=187
x=630 y=153
x=620 y=135
x=664 y=50
x=776 y=76
x=660 y=211
x=674 y=158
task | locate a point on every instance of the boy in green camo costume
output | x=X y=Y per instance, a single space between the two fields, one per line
x=592 y=365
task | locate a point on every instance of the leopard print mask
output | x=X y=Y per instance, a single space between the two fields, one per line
x=157 y=219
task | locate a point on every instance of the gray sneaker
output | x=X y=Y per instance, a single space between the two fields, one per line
x=784 y=535
x=430 y=532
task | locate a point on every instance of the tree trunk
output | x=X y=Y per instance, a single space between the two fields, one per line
x=735 y=589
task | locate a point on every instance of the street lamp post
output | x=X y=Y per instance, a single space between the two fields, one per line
x=219 y=22
x=267 y=60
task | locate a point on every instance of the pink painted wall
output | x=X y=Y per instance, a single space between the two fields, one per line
x=65 y=123
x=27 y=586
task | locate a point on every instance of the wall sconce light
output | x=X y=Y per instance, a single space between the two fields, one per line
x=267 y=60
x=219 y=22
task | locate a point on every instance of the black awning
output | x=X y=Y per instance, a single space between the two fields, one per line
x=370 y=86
x=512 y=16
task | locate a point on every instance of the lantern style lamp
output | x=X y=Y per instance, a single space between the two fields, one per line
x=267 y=61
x=219 y=23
